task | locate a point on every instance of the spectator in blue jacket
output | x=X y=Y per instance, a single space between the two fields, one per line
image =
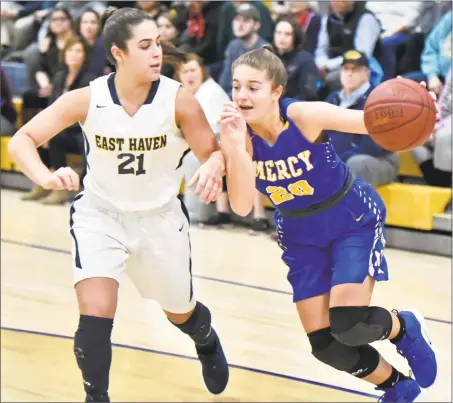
x=364 y=157
x=436 y=56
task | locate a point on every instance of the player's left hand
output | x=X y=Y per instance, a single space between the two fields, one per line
x=209 y=177
x=432 y=94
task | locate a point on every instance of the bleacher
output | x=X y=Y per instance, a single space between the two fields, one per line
x=415 y=212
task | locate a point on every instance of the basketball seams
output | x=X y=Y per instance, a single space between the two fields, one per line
x=402 y=124
x=405 y=123
x=399 y=102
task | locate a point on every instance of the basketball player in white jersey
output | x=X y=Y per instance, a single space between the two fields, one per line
x=137 y=126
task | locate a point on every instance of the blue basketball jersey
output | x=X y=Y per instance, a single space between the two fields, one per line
x=294 y=172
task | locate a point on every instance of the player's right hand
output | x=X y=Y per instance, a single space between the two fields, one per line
x=62 y=178
x=233 y=129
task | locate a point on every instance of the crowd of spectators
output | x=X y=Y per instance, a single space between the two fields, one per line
x=335 y=51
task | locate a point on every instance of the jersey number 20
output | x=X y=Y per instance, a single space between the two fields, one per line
x=125 y=167
x=279 y=194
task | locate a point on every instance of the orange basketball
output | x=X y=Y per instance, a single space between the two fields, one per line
x=400 y=115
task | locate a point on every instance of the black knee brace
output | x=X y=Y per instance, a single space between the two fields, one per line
x=198 y=327
x=359 y=325
x=93 y=351
x=358 y=361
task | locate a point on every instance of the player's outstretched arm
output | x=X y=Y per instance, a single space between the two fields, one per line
x=236 y=147
x=67 y=110
x=192 y=121
x=314 y=117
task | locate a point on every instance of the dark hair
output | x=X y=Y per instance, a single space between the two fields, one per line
x=265 y=59
x=194 y=57
x=63 y=10
x=79 y=21
x=298 y=34
x=74 y=40
x=116 y=27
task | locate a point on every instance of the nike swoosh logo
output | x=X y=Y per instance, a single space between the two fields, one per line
x=181 y=228
x=101 y=106
x=358 y=219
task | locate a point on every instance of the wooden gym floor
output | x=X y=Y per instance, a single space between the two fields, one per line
x=241 y=279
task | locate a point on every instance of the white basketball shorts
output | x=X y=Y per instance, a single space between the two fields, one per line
x=153 y=245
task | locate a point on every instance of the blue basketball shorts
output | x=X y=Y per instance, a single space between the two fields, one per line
x=341 y=245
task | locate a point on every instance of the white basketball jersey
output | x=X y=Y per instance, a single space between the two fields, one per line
x=133 y=163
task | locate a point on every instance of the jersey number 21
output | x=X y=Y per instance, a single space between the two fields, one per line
x=126 y=168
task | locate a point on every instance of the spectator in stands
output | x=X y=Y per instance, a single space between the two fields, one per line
x=168 y=24
x=434 y=157
x=195 y=78
x=59 y=31
x=246 y=25
x=436 y=56
x=349 y=26
x=303 y=76
x=364 y=157
x=89 y=28
x=74 y=75
x=225 y=33
x=18 y=19
x=431 y=12
x=309 y=21
x=200 y=37
x=8 y=114
x=397 y=22
x=76 y=8
x=152 y=8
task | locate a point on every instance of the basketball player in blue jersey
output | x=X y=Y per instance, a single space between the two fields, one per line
x=330 y=226
x=137 y=125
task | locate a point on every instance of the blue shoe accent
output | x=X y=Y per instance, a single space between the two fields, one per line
x=403 y=391
x=417 y=349
x=214 y=368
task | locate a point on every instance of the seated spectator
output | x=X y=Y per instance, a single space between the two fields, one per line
x=18 y=23
x=89 y=28
x=349 y=26
x=431 y=12
x=436 y=56
x=168 y=24
x=8 y=112
x=225 y=33
x=195 y=78
x=364 y=157
x=75 y=8
x=43 y=69
x=309 y=21
x=303 y=76
x=74 y=75
x=152 y=8
x=397 y=22
x=246 y=25
x=200 y=37
x=434 y=157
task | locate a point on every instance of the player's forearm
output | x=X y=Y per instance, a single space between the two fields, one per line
x=23 y=150
x=241 y=181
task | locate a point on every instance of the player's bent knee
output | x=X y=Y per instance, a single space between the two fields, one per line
x=97 y=297
x=357 y=326
x=358 y=361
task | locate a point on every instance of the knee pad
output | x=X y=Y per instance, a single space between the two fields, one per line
x=198 y=326
x=93 y=351
x=359 y=325
x=358 y=361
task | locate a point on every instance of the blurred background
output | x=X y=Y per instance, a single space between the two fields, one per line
x=50 y=47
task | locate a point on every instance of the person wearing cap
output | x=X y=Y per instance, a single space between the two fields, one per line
x=349 y=25
x=246 y=24
x=364 y=157
x=228 y=11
